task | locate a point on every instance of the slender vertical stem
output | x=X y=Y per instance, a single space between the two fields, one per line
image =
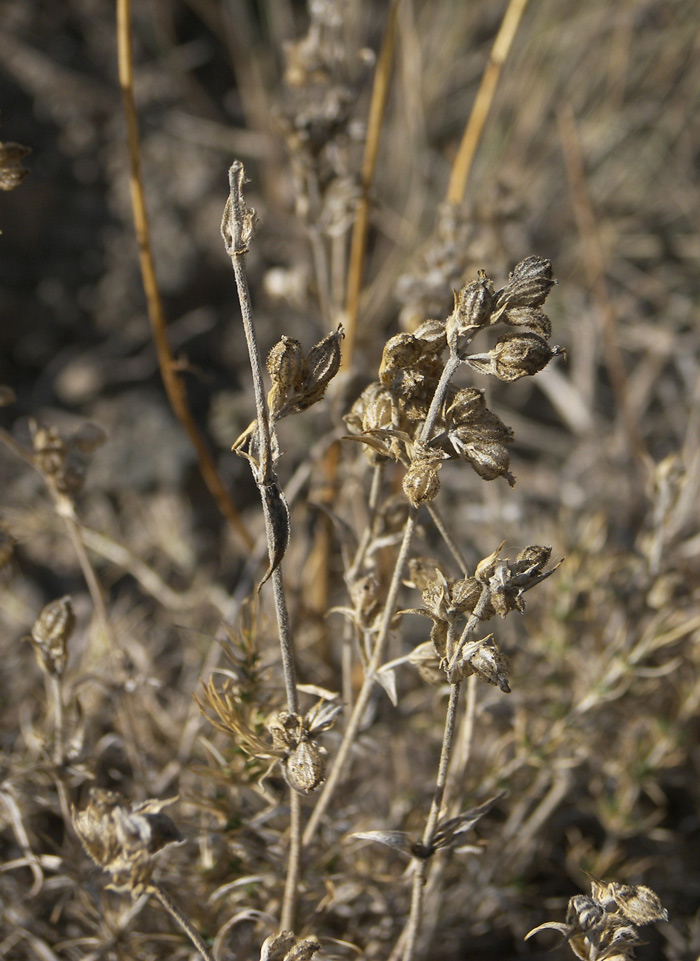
x=380 y=92
x=237 y=229
x=156 y=314
x=293 y=863
x=286 y=647
x=57 y=697
x=421 y=864
x=482 y=102
x=182 y=921
x=341 y=758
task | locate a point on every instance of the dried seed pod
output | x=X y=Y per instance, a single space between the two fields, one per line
x=472 y=310
x=286 y=730
x=531 y=560
x=431 y=336
x=465 y=594
x=50 y=635
x=427 y=663
x=515 y=355
x=528 y=284
x=421 y=572
x=490 y=459
x=276 y=946
x=285 y=365
x=305 y=767
x=400 y=352
x=421 y=482
x=490 y=664
x=366 y=600
x=531 y=317
x=322 y=364
x=122 y=837
x=436 y=596
x=50 y=450
x=584 y=912
x=303 y=950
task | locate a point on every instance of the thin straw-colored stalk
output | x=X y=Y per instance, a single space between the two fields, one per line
x=173 y=384
x=462 y=165
x=380 y=92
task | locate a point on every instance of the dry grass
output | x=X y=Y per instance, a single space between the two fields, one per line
x=589 y=157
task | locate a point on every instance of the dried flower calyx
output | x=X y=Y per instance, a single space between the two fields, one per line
x=293 y=740
x=603 y=927
x=299 y=380
x=285 y=946
x=122 y=837
x=50 y=635
x=63 y=460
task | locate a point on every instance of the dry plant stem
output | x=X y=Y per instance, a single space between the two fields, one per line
x=482 y=103
x=447 y=537
x=56 y=695
x=463 y=747
x=237 y=252
x=421 y=864
x=380 y=92
x=358 y=712
x=264 y=476
x=439 y=397
x=372 y=503
x=353 y=571
x=182 y=921
x=293 y=863
x=378 y=652
x=166 y=362
x=65 y=509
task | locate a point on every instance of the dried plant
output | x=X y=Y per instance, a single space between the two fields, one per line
x=291 y=585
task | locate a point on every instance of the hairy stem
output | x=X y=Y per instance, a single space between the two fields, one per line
x=182 y=921
x=237 y=229
x=293 y=863
x=421 y=864
x=57 y=697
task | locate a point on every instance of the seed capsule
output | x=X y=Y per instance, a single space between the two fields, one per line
x=305 y=768
x=51 y=633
